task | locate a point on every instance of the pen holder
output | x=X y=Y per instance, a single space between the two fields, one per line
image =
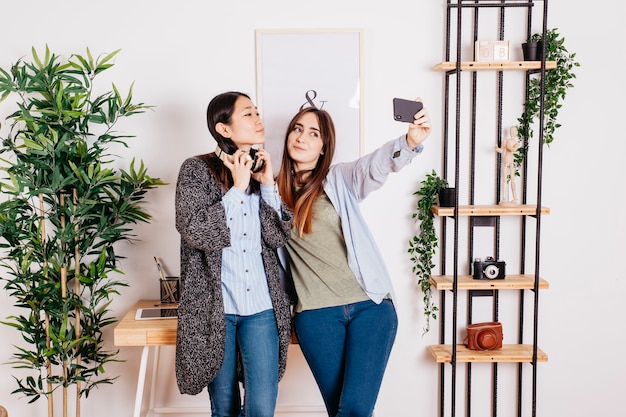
x=170 y=292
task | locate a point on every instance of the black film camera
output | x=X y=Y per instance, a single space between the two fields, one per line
x=488 y=269
x=257 y=164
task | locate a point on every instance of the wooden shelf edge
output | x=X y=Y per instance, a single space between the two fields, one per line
x=490 y=210
x=494 y=65
x=508 y=353
x=467 y=282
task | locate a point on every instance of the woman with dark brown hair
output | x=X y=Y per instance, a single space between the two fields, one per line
x=345 y=319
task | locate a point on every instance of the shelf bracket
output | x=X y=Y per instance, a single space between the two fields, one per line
x=482 y=293
x=484 y=221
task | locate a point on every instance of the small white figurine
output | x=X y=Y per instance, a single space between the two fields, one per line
x=509 y=146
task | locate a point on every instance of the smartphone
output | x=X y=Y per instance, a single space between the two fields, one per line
x=404 y=110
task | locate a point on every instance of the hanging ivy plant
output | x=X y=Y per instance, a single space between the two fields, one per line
x=556 y=83
x=422 y=246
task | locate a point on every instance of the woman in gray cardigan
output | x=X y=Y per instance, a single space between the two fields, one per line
x=234 y=315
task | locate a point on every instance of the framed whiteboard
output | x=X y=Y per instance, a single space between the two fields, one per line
x=298 y=68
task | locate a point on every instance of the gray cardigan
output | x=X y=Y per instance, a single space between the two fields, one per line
x=201 y=222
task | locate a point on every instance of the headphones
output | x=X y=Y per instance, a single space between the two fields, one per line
x=257 y=164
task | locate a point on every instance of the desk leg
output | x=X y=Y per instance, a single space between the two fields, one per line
x=154 y=378
x=141 y=381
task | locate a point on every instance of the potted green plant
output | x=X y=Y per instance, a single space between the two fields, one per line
x=422 y=246
x=532 y=49
x=556 y=83
x=64 y=210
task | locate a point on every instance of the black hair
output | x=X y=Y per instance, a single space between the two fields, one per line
x=220 y=110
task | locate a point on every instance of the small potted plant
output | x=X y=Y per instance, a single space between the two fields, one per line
x=447 y=197
x=532 y=49
x=422 y=246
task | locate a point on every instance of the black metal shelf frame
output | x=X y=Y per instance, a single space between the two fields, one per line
x=453 y=84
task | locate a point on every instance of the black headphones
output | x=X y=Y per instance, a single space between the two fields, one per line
x=257 y=163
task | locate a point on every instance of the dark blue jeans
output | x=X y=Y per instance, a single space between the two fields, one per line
x=256 y=339
x=347 y=349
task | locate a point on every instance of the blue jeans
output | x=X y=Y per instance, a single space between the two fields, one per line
x=347 y=349
x=255 y=338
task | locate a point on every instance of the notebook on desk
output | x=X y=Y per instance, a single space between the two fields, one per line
x=156 y=313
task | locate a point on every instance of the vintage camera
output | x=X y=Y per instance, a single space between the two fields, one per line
x=488 y=269
x=484 y=336
x=257 y=164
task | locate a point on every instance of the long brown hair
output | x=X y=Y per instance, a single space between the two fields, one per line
x=299 y=190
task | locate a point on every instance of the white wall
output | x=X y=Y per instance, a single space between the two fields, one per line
x=180 y=54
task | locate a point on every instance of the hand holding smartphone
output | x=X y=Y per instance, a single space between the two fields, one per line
x=404 y=110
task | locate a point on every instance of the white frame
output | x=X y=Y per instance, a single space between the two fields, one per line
x=293 y=65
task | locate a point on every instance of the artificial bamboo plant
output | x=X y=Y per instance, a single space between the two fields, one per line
x=64 y=208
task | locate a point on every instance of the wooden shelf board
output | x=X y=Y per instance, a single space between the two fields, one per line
x=467 y=282
x=494 y=65
x=508 y=353
x=490 y=210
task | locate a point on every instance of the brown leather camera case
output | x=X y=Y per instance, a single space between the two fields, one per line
x=484 y=336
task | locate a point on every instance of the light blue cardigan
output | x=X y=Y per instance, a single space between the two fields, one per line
x=347 y=184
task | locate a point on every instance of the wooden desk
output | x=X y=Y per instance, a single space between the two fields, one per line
x=152 y=334
x=131 y=332
x=148 y=334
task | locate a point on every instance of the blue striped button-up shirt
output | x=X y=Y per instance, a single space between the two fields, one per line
x=244 y=284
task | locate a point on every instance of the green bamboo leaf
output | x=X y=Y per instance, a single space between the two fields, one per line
x=118 y=96
x=48 y=56
x=91 y=61
x=102 y=64
x=6 y=77
x=84 y=64
x=36 y=58
x=32 y=145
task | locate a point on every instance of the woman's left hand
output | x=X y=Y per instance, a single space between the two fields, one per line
x=420 y=129
x=266 y=175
